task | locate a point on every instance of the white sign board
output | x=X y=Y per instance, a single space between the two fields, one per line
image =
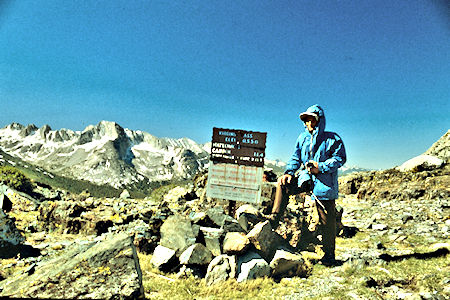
x=235 y=182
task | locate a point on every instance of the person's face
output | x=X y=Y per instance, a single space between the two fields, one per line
x=310 y=123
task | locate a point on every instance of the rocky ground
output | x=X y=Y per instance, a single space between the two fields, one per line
x=393 y=243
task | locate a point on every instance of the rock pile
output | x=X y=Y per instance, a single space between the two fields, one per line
x=214 y=245
x=205 y=240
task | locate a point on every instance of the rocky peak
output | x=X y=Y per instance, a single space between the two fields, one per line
x=44 y=130
x=30 y=129
x=15 y=126
x=112 y=130
x=441 y=148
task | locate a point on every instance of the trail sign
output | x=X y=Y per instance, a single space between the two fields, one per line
x=238 y=147
x=236 y=168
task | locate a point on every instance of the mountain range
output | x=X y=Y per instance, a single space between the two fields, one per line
x=108 y=154
x=105 y=153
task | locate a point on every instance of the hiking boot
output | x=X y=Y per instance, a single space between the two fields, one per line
x=329 y=261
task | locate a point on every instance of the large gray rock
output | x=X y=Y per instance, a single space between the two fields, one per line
x=251 y=266
x=107 y=269
x=235 y=243
x=163 y=258
x=264 y=239
x=421 y=162
x=287 y=264
x=247 y=216
x=247 y=209
x=220 y=269
x=195 y=217
x=232 y=225
x=196 y=254
x=177 y=233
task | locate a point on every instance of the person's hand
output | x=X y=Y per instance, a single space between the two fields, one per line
x=314 y=169
x=286 y=178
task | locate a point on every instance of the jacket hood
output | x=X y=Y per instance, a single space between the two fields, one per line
x=317 y=134
x=316 y=109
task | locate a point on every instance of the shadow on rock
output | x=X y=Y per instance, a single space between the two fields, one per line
x=25 y=251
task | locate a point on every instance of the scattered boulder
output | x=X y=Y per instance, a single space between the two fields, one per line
x=164 y=258
x=9 y=235
x=235 y=243
x=220 y=269
x=196 y=217
x=218 y=216
x=264 y=239
x=251 y=266
x=108 y=269
x=247 y=209
x=74 y=217
x=288 y=264
x=248 y=216
x=232 y=225
x=196 y=254
x=177 y=233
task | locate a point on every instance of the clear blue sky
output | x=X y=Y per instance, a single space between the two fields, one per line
x=379 y=68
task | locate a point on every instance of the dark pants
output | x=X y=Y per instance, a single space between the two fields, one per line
x=326 y=210
x=327 y=225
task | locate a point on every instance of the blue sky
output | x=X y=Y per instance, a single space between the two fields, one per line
x=380 y=69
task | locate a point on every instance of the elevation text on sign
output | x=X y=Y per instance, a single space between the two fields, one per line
x=238 y=147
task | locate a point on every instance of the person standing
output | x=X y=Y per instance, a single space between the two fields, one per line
x=318 y=155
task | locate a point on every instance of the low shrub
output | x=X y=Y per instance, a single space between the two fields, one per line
x=15 y=179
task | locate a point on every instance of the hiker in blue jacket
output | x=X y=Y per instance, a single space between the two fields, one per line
x=314 y=168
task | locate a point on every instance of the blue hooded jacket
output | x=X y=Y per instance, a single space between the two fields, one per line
x=324 y=147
